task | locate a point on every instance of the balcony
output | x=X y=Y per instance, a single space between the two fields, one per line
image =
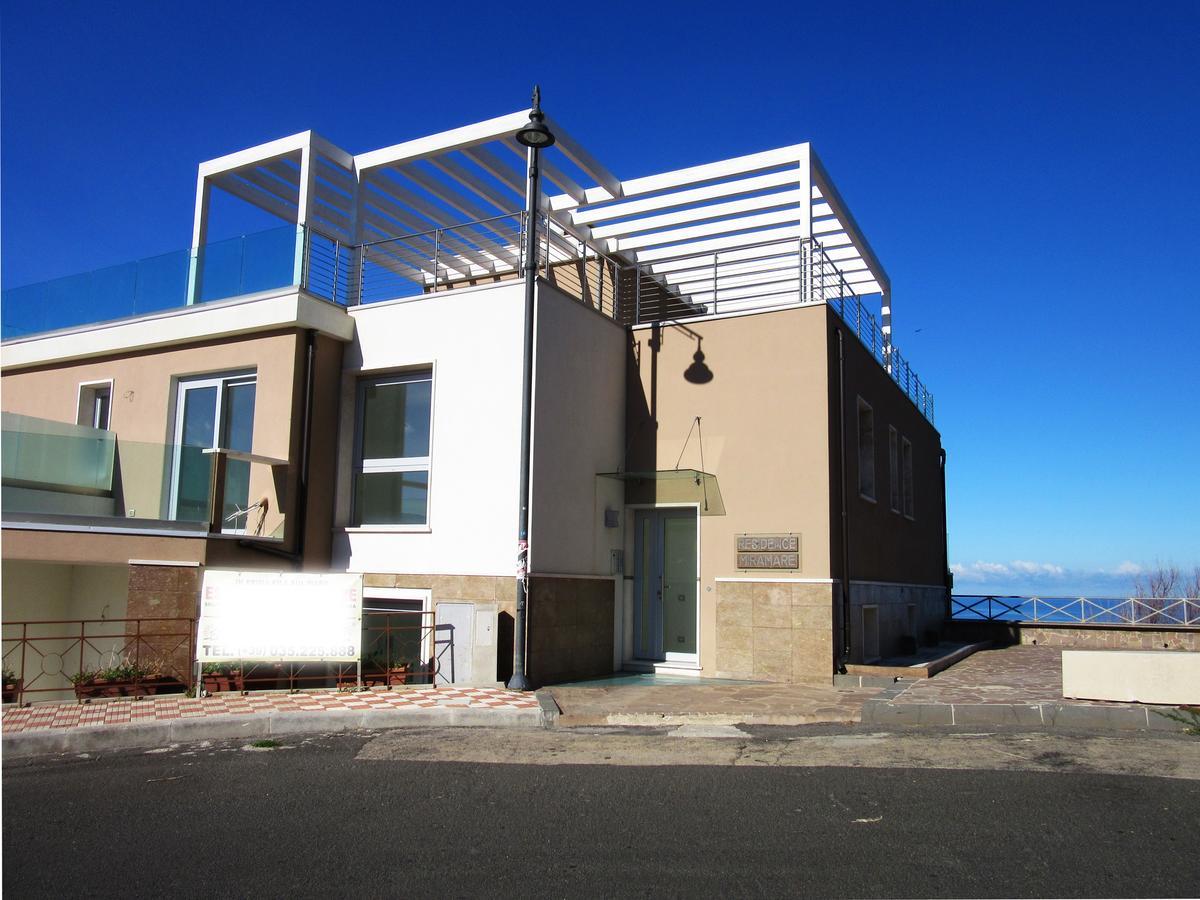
x=72 y=477
x=277 y=259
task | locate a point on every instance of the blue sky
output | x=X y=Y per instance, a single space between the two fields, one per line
x=1027 y=172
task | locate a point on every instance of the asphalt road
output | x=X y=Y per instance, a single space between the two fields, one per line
x=312 y=818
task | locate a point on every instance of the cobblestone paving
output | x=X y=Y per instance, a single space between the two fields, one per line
x=767 y=704
x=57 y=716
x=1017 y=674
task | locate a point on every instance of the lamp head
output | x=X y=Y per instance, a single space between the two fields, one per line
x=535 y=134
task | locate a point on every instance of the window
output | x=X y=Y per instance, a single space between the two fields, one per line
x=397 y=636
x=866 y=450
x=95 y=404
x=211 y=412
x=894 y=468
x=907 y=483
x=391 y=477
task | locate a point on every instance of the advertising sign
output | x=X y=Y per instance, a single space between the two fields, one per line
x=279 y=616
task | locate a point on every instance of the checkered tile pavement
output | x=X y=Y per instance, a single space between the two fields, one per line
x=157 y=709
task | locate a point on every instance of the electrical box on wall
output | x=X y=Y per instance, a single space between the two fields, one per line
x=612 y=518
x=616 y=562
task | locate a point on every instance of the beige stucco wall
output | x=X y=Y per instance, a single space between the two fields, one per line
x=56 y=592
x=764 y=417
x=144 y=388
x=579 y=431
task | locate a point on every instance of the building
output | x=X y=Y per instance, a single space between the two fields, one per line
x=724 y=436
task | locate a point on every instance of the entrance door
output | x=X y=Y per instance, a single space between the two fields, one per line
x=665 y=583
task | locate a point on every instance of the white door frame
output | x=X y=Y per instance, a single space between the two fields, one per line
x=677 y=658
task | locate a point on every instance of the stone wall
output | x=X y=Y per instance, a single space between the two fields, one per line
x=163 y=591
x=1109 y=638
x=775 y=631
x=1083 y=637
x=893 y=601
x=480 y=589
x=571 y=627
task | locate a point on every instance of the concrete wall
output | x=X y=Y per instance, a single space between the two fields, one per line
x=471 y=339
x=765 y=415
x=894 y=604
x=579 y=431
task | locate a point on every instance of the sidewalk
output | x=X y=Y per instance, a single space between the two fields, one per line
x=152 y=721
x=1018 y=685
x=678 y=701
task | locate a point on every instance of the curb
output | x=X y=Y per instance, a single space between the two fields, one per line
x=883 y=711
x=548 y=708
x=262 y=725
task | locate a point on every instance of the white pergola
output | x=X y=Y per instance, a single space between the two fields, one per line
x=741 y=226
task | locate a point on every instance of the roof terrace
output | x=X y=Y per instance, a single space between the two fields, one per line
x=756 y=232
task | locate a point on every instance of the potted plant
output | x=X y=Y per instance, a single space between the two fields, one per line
x=12 y=686
x=222 y=677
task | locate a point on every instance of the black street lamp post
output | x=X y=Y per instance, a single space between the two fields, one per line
x=533 y=136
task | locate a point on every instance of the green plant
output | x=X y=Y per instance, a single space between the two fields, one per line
x=84 y=676
x=1187 y=716
x=265 y=744
x=9 y=675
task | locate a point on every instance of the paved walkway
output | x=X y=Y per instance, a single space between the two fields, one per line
x=1018 y=685
x=674 y=703
x=253 y=713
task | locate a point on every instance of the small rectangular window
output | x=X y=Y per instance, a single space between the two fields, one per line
x=907 y=482
x=894 y=468
x=95 y=404
x=866 y=450
x=391 y=478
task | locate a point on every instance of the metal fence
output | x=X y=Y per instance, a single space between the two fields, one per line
x=1168 y=611
x=61 y=659
x=754 y=277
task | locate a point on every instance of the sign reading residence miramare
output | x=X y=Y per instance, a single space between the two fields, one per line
x=306 y=617
x=768 y=551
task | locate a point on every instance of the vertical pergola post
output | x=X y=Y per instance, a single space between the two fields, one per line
x=804 y=179
x=199 y=239
x=303 y=206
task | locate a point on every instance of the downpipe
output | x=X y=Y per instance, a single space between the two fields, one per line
x=844 y=654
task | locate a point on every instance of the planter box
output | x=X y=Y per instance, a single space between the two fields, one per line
x=12 y=689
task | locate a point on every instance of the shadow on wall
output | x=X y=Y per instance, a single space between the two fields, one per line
x=504 y=647
x=641 y=402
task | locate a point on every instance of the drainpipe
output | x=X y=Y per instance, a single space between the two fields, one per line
x=305 y=442
x=844 y=652
x=945 y=541
x=297 y=555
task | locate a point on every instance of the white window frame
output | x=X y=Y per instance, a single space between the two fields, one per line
x=394 y=464
x=894 y=468
x=861 y=406
x=221 y=381
x=908 y=501
x=91 y=390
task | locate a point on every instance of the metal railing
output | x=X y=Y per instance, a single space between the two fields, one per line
x=1168 y=611
x=394 y=654
x=86 y=658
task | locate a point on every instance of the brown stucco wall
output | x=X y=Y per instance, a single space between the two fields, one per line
x=764 y=418
x=884 y=546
